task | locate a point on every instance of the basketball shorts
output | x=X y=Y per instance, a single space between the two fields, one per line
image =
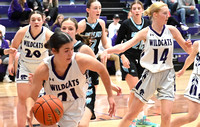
x=73 y=112
x=192 y=92
x=90 y=99
x=23 y=71
x=163 y=82
x=135 y=69
x=94 y=77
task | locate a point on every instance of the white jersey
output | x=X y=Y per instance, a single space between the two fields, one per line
x=196 y=68
x=32 y=49
x=71 y=86
x=158 y=50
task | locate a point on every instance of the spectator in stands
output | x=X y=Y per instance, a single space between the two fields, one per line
x=3 y=30
x=19 y=10
x=147 y=3
x=72 y=2
x=50 y=9
x=111 y=57
x=4 y=60
x=35 y=5
x=114 y=26
x=172 y=4
x=172 y=21
x=45 y=23
x=187 y=7
x=57 y=23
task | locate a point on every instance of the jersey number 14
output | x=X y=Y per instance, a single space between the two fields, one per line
x=163 y=56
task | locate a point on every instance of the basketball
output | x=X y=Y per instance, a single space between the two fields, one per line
x=48 y=110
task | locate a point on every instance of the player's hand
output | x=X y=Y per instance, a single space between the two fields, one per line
x=104 y=56
x=29 y=103
x=179 y=73
x=116 y=89
x=10 y=51
x=29 y=118
x=125 y=61
x=112 y=108
x=189 y=46
x=30 y=78
x=11 y=69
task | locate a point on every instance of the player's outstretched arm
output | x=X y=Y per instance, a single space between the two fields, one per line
x=190 y=58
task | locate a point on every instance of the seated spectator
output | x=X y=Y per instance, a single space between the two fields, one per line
x=3 y=30
x=172 y=21
x=172 y=4
x=147 y=3
x=111 y=57
x=114 y=26
x=19 y=10
x=50 y=9
x=57 y=23
x=187 y=7
x=35 y=5
x=4 y=60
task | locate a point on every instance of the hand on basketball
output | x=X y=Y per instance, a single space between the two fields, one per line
x=112 y=108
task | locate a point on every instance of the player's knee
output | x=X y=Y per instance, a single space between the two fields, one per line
x=22 y=99
x=166 y=117
x=192 y=118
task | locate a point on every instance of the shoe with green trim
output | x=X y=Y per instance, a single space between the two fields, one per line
x=145 y=123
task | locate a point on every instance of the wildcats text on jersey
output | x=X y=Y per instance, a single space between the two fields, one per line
x=69 y=84
x=33 y=44
x=160 y=42
x=94 y=34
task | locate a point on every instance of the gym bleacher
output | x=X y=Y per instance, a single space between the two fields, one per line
x=109 y=8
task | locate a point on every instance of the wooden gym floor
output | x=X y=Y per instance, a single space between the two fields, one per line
x=8 y=102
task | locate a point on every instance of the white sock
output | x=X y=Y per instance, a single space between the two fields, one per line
x=140 y=115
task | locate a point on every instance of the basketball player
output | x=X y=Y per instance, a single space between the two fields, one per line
x=156 y=58
x=192 y=92
x=81 y=43
x=66 y=67
x=130 y=59
x=95 y=28
x=31 y=38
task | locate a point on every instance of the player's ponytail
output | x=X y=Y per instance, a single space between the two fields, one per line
x=58 y=39
x=155 y=7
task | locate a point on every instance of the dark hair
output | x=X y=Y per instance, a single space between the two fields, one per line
x=89 y=4
x=35 y=12
x=58 y=39
x=84 y=38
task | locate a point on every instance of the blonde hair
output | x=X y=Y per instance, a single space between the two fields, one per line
x=57 y=22
x=155 y=7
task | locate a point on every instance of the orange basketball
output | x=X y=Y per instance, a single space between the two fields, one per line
x=48 y=110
